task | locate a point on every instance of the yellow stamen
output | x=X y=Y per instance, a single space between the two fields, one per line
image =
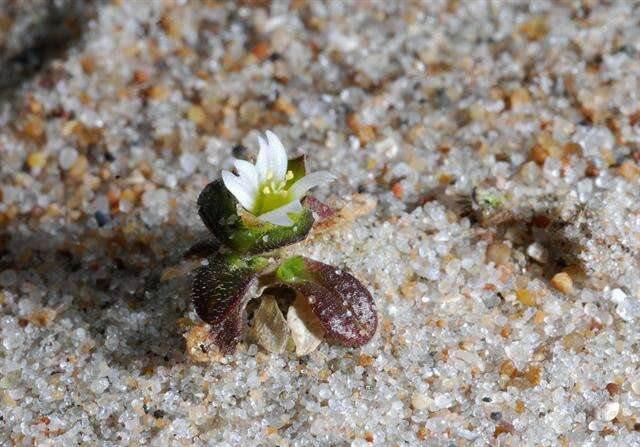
x=289 y=175
x=266 y=190
x=269 y=175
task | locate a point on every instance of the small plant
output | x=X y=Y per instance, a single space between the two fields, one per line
x=252 y=216
x=488 y=205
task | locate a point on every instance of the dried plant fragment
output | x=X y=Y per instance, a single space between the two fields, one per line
x=271 y=328
x=221 y=288
x=342 y=304
x=178 y=271
x=321 y=210
x=306 y=330
x=356 y=206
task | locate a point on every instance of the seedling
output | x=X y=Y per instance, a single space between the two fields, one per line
x=252 y=214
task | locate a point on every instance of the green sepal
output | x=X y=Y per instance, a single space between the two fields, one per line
x=298 y=167
x=292 y=270
x=242 y=233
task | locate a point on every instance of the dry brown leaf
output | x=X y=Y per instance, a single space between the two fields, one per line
x=306 y=330
x=271 y=330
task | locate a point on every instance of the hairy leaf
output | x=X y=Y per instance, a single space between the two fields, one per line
x=218 y=209
x=343 y=305
x=230 y=331
x=221 y=288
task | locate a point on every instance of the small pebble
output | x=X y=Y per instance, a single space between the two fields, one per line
x=609 y=411
x=8 y=278
x=526 y=297
x=101 y=218
x=189 y=162
x=499 y=253
x=36 y=160
x=618 y=296
x=613 y=388
x=67 y=157
x=574 y=341
x=197 y=115
x=539 y=154
x=79 y=167
x=596 y=426
x=419 y=401
x=629 y=170
x=100 y=385
x=562 y=282
x=538 y=253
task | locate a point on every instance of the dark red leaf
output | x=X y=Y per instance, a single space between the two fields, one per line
x=342 y=303
x=230 y=332
x=221 y=288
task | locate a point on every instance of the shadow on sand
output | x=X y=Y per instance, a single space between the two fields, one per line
x=97 y=280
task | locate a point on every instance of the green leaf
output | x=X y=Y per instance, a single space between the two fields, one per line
x=292 y=270
x=218 y=209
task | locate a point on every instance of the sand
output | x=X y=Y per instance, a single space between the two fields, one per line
x=499 y=324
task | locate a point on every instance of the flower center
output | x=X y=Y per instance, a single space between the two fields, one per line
x=272 y=193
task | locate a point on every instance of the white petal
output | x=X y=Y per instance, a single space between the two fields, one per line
x=262 y=160
x=279 y=215
x=278 y=156
x=247 y=172
x=239 y=189
x=299 y=188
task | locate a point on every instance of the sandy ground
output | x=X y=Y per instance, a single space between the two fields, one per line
x=499 y=324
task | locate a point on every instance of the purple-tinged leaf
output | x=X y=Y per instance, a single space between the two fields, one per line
x=342 y=304
x=230 y=331
x=221 y=288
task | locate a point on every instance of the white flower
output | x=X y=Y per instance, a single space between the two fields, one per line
x=262 y=188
